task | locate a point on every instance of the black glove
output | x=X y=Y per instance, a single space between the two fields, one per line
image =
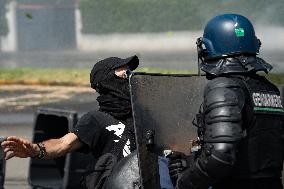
x=178 y=162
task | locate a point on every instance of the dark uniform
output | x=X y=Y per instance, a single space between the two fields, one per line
x=240 y=122
x=109 y=132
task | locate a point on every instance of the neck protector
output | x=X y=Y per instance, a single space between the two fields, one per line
x=233 y=65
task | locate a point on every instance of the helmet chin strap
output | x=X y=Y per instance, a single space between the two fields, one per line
x=198 y=64
x=200 y=51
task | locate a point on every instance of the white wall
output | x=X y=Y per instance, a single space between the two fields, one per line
x=9 y=41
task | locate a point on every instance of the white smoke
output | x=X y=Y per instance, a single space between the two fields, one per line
x=167 y=41
x=272 y=37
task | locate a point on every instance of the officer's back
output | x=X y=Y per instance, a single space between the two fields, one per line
x=242 y=144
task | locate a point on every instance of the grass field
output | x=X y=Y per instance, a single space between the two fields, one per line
x=79 y=76
x=45 y=76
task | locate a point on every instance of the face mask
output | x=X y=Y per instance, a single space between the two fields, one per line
x=115 y=96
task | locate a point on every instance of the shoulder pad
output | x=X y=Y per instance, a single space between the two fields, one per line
x=223 y=92
x=222 y=82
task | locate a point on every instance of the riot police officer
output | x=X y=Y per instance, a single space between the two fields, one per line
x=240 y=121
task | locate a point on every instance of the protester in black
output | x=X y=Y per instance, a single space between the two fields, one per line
x=107 y=132
x=240 y=120
x=100 y=130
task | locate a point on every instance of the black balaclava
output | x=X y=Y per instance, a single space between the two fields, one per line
x=114 y=91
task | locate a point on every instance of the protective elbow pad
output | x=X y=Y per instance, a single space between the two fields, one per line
x=216 y=162
x=218 y=159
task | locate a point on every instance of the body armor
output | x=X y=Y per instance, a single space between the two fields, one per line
x=242 y=133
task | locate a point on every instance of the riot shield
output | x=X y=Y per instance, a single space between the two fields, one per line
x=164 y=107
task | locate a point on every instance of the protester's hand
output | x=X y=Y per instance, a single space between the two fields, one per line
x=18 y=147
x=178 y=162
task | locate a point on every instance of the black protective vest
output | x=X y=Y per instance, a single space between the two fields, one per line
x=260 y=153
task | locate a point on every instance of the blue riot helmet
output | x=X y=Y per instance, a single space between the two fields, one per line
x=230 y=34
x=229 y=45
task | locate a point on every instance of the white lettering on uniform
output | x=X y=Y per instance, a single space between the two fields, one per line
x=256 y=99
x=279 y=102
x=267 y=100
